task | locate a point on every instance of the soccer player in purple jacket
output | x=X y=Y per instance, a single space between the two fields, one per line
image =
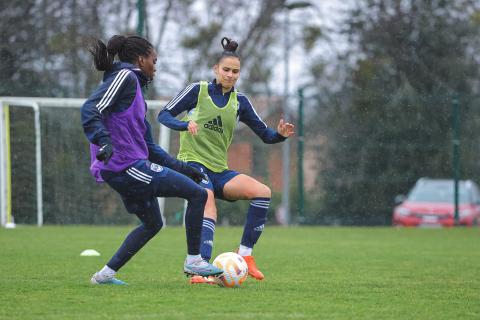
x=124 y=155
x=213 y=109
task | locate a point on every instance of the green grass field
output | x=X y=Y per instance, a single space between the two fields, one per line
x=311 y=273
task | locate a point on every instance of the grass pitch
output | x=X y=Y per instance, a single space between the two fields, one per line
x=311 y=273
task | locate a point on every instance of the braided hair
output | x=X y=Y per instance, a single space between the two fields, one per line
x=128 y=49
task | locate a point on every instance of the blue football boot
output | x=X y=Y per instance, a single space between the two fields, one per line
x=202 y=268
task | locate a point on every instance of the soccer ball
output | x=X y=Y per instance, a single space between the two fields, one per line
x=235 y=269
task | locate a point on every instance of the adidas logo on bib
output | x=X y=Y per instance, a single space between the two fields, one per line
x=215 y=124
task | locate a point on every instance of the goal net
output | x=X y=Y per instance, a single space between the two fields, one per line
x=44 y=157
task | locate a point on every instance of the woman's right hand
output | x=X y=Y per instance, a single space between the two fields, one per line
x=192 y=127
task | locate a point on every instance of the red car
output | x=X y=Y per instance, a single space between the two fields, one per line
x=431 y=203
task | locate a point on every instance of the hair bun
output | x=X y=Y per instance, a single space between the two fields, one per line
x=229 y=44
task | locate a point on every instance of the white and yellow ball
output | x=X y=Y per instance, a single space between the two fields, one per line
x=235 y=269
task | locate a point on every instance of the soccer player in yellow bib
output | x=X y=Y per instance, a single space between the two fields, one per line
x=213 y=109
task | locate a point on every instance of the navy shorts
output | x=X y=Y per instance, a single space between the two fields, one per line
x=216 y=180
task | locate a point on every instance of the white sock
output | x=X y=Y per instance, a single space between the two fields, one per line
x=107 y=272
x=192 y=258
x=245 y=251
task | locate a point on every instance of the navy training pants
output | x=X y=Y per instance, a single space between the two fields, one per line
x=139 y=186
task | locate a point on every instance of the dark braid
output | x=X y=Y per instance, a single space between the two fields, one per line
x=229 y=49
x=128 y=50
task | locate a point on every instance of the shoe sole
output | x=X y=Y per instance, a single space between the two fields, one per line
x=121 y=283
x=189 y=273
x=113 y=281
x=203 y=281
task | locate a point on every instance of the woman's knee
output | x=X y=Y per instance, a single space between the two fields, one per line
x=243 y=187
x=154 y=224
x=267 y=192
x=210 y=207
x=157 y=226
x=259 y=191
x=151 y=217
x=152 y=227
x=199 y=194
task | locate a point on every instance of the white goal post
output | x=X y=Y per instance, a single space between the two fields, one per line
x=36 y=105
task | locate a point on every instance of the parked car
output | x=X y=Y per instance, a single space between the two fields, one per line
x=431 y=203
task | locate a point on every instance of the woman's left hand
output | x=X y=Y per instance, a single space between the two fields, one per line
x=285 y=129
x=192 y=127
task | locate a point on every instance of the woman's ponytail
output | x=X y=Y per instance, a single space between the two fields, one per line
x=128 y=49
x=101 y=59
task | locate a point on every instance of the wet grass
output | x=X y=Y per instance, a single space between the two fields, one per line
x=311 y=273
